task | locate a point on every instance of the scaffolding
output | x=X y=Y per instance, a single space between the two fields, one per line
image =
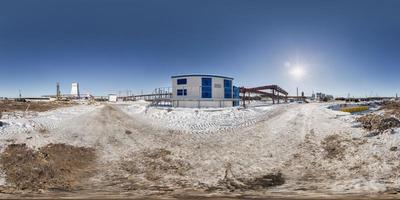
x=159 y=97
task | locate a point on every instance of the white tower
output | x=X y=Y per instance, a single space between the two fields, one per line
x=75 y=90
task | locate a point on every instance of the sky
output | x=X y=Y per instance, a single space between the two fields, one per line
x=338 y=47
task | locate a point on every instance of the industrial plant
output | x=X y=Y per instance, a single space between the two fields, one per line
x=199 y=100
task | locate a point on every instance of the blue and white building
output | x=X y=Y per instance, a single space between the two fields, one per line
x=204 y=91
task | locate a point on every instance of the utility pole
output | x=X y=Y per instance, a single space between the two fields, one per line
x=58 y=94
x=20 y=95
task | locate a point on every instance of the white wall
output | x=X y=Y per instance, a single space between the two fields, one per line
x=112 y=98
x=193 y=88
x=75 y=89
x=217 y=92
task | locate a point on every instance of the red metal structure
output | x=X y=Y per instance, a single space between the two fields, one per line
x=272 y=91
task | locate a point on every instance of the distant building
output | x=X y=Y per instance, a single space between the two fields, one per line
x=199 y=91
x=320 y=96
x=329 y=97
x=75 y=90
x=313 y=96
x=112 y=97
x=323 y=97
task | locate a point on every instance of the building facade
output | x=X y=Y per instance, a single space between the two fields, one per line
x=75 y=90
x=202 y=91
x=112 y=97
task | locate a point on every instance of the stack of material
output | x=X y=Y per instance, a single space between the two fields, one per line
x=392 y=108
x=378 y=123
x=354 y=109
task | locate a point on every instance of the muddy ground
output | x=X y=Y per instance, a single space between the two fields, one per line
x=391 y=108
x=11 y=106
x=384 y=122
x=52 y=167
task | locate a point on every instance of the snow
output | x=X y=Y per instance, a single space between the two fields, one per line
x=198 y=121
x=21 y=122
x=254 y=141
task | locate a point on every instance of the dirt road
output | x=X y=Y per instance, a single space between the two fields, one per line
x=301 y=149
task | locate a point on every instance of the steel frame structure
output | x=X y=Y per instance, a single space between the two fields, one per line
x=274 y=92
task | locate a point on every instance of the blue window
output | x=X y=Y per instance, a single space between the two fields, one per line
x=206 y=88
x=228 y=89
x=236 y=92
x=236 y=95
x=182 y=81
x=181 y=92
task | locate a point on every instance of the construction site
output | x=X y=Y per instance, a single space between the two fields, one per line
x=268 y=143
x=195 y=99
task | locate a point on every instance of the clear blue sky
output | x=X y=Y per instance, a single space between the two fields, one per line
x=344 y=46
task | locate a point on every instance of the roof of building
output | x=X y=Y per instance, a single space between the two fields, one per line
x=203 y=75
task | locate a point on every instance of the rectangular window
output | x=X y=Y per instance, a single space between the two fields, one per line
x=236 y=92
x=181 y=92
x=206 y=88
x=228 y=89
x=182 y=81
x=236 y=95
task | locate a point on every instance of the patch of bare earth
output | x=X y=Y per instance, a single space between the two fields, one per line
x=378 y=124
x=391 y=108
x=322 y=162
x=233 y=182
x=52 y=167
x=1 y=123
x=11 y=106
x=158 y=168
x=333 y=146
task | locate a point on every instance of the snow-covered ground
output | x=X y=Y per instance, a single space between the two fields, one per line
x=16 y=124
x=198 y=121
x=287 y=138
x=294 y=139
x=14 y=121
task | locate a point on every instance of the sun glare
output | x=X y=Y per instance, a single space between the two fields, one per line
x=297 y=72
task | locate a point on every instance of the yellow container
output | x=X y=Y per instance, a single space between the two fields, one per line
x=354 y=109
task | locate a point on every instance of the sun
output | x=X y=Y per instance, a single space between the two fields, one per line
x=297 y=72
